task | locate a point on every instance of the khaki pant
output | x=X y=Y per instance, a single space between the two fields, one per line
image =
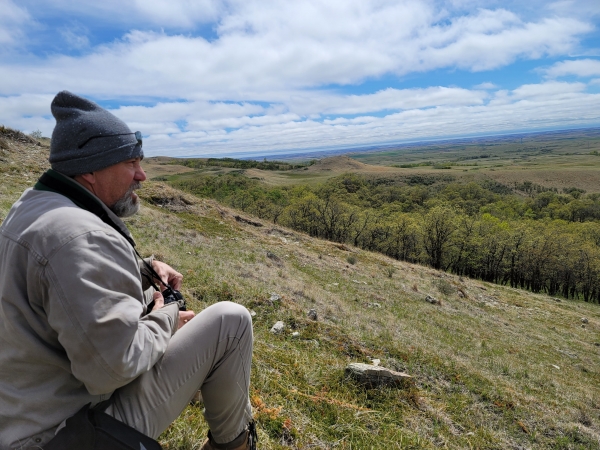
x=213 y=353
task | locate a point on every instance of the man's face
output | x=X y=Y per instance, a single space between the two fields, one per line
x=115 y=185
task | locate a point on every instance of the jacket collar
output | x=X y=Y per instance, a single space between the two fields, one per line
x=54 y=181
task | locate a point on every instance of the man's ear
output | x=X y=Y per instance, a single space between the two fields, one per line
x=87 y=180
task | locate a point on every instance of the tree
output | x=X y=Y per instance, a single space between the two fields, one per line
x=437 y=228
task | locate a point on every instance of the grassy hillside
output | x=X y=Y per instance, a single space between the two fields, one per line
x=493 y=367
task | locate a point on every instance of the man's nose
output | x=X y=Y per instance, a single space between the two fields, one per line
x=140 y=175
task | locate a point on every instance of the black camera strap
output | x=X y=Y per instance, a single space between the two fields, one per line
x=53 y=181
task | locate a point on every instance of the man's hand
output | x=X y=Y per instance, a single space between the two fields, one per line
x=185 y=317
x=167 y=274
x=159 y=301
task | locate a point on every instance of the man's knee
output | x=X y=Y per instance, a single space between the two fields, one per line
x=231 y=311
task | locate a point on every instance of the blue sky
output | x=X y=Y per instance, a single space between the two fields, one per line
x=249 y=77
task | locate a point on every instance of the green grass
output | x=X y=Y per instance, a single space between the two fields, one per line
x=482 y=365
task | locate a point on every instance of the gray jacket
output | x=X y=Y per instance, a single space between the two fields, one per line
x=72 y=323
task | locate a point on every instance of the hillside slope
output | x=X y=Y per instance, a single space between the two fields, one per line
x=493 y=367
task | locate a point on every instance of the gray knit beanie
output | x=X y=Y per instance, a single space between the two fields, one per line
x=87 y=137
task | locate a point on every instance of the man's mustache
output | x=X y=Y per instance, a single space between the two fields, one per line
x=135 y=185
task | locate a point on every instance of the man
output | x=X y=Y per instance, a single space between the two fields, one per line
x=75 y=323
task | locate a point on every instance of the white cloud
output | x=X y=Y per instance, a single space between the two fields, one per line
x=27 y=112
x=12 y=18
x=75 y=36
x=551 y=89
x=485 y=86
x=580 y=8
x=293 y=45
x=314 y=102
x=479 y=50
x=528 y=107
x=579 y=67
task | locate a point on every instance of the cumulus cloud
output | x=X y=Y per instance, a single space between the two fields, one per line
x=550 y=104
x=580 y=8
x=580 y=68
x=486 y=85
x=27 y=112
x=75 y=36
x=314 y=102
x=518 y=114
x=295 y=45
x=12 y=19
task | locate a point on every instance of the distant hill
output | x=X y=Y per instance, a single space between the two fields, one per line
x=433 y=143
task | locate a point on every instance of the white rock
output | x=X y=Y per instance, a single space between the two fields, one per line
x=295 y=334
x=278 y=327
x=375 y=375
x=433 y=301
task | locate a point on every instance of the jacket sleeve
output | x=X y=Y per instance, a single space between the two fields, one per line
x=95 y=306
x=145 y=272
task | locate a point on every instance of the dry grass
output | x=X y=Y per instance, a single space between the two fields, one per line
x=494 y=367
x=160 y=166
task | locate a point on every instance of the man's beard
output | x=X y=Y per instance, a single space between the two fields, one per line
x=127 y=205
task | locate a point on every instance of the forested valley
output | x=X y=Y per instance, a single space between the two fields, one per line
x=525 y=236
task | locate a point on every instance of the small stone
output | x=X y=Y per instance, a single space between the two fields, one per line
x=375 y=375
x=432 y=300
x=275 y=297
x=375 y=362
x=312 y=314
x=295 y=334
x=253 y=313
x=373 y=305
x=273 y=257
x=555 y=366
x=584 y=320
x=278 y=327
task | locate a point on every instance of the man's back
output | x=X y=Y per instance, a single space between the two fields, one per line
x=61 y=269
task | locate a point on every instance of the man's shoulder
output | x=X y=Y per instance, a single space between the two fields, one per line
x=44 y=220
